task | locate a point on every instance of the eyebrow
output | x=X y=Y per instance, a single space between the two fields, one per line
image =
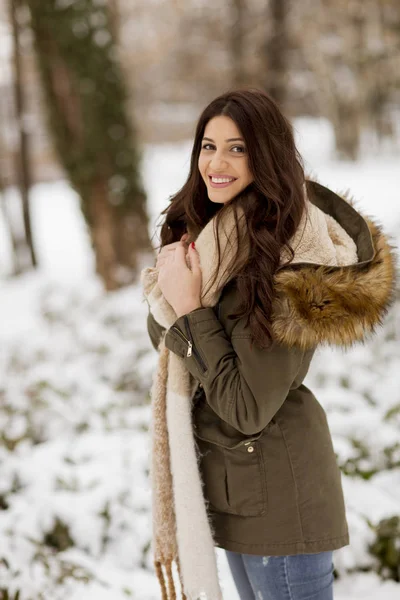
x=229 y=140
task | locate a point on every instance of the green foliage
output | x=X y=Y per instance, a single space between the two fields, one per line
x=386 y=547
x=58 y=537
x=7 y=595
x=393 y=413
x=3 y=502
x=86 y=98
x=365 y=463
x=360 y=464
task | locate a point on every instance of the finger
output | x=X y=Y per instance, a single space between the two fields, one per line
x=180 y=255
x=160 y=261
x=194 y=258
x=185 y=241
x=163 y=258
x=169 y=248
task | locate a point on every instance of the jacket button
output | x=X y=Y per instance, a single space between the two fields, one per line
x=250 y=449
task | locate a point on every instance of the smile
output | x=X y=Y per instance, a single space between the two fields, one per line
x=221 y=182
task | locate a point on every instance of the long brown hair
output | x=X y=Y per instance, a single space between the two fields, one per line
x=273 y=203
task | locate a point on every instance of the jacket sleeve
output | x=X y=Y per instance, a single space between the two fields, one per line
x=245 y=386
x=155 y=330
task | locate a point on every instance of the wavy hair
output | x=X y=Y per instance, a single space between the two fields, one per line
x=273 y=203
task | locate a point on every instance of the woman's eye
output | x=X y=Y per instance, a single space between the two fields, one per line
x=207 y=146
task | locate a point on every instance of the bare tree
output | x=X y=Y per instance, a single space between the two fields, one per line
x=276 y=51
x=22 y=155
x=354 y=56
x=94 y=138
x=237 y=43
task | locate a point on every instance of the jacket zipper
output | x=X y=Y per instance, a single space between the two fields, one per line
x=191 y=348
x=189 y=343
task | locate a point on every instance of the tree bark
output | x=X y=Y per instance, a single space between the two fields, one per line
x=276 y=50
x=103 y=234
x=94 y=138
x=347 y=129
x=237 y=43
x=22 y=156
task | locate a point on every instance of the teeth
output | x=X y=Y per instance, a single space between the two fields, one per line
x=221 y=180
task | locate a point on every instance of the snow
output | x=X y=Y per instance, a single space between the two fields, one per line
x=75 y=371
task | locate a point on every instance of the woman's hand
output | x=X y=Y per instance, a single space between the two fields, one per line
x=180 y=285
x=165 y=250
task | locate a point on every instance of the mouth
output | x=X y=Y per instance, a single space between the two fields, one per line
x=221 y=182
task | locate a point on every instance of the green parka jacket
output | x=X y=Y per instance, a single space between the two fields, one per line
x=270 y=474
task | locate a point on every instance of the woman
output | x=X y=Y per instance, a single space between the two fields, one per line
x=280 y=265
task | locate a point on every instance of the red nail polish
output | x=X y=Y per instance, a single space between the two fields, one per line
x=193 y=245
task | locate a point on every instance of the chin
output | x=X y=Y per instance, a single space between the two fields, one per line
x=221 y=201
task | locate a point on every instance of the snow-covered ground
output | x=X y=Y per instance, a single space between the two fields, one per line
x=75 y=372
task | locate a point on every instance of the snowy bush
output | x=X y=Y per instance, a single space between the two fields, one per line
x=360 y=392
x=74 y=419
x=386 y=548
x=75 y=373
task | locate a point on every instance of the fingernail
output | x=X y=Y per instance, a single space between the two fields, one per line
x=193 y=245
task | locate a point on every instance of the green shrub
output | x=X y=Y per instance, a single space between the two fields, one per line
x=386 y=548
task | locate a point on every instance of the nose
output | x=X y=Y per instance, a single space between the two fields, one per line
x=217 y=162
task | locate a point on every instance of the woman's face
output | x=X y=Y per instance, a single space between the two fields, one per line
x=223 y=160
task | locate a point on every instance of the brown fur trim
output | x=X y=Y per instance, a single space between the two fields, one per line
x=335 y=305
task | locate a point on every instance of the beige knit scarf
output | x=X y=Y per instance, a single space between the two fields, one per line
x=182 y=531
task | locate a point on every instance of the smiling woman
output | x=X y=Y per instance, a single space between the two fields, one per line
x=243 y=137
x=242 y=453
x=223 y=164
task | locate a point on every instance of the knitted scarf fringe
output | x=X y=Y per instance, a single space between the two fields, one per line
x=166 y=580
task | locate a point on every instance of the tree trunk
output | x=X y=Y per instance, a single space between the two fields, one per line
x=103 y=234
x=347 y=129
x=276 y=52
x=94 y=138
x=8 y=222
x=237 y=43
x=132 y=241
x=22 y=156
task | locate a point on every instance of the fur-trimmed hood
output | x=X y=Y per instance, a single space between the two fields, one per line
x=341 y=282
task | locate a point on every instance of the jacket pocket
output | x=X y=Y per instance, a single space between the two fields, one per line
x=234 y=477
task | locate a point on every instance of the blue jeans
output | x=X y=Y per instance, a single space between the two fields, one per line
x=294 y=577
